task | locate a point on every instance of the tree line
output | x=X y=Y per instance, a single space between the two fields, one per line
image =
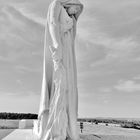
x=17 y=116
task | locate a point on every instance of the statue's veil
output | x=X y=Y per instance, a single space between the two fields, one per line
x=47 y=88
x=47 y=65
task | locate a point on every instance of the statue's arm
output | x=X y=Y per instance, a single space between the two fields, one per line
x=79 y=12
x=56 y=49
x=74 y=26
x=75 y=17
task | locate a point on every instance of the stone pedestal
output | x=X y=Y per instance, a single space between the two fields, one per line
x=25 y=124
x=19 y=134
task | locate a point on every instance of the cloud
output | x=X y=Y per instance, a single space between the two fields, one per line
x=107 y=49
x=107 y=32
x=117 y=50
x=105 y=89
x=31 y=16
x=16 y=15
x=25 y=69
x=20 y=35
x=136 y=77
x=128 y=86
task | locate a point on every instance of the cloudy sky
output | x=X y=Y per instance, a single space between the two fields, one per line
x=107 y=51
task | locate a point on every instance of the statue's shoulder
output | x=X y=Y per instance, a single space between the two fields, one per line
x=55 y=3
x=54 y=10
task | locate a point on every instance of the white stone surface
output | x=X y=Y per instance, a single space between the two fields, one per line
x=93 y=132
x=20 y=135
x=25 y=124
x=58 y=109
x=35 y=127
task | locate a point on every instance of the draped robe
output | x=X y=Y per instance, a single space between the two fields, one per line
x=58 y=112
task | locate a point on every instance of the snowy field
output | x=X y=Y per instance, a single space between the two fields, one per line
x=90 y=132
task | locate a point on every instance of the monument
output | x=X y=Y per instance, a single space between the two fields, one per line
x=58 y=110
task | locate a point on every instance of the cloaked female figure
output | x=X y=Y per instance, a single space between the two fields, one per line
x=58 y=112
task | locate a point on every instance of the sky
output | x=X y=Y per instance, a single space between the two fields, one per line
x=107 y=52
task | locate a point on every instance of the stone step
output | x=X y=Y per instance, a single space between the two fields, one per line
x=20 y=134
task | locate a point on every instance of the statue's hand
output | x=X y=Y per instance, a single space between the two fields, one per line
x=74 y=19
x=46 y=111
x=56 y=52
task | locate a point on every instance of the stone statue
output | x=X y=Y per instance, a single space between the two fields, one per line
x=58 y=112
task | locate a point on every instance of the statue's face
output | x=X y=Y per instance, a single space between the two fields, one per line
x=73 y=9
